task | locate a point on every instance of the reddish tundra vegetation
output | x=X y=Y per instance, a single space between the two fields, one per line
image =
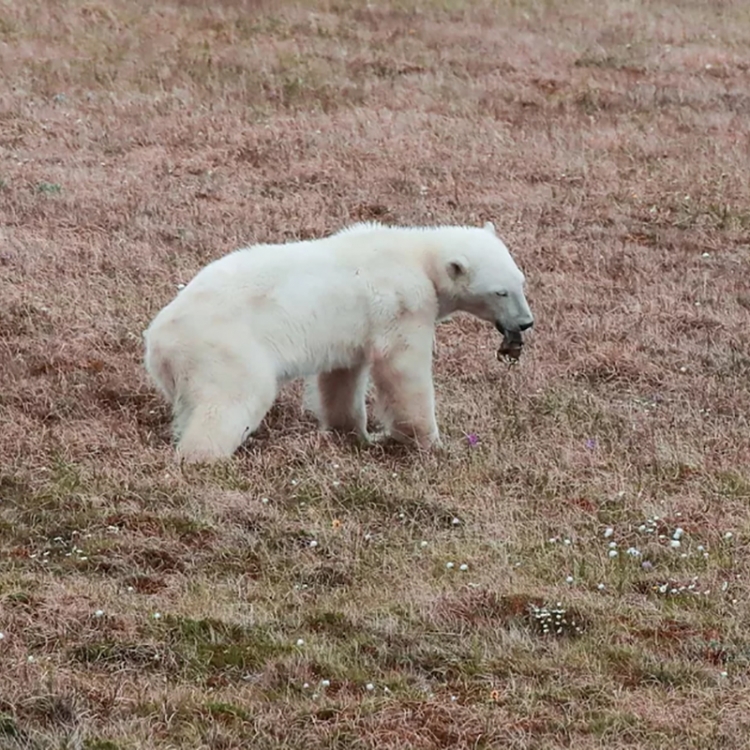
x=573 y=572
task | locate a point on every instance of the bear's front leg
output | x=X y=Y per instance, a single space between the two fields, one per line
x=338 y=400
x=404 y=388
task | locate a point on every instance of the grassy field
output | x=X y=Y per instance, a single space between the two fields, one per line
x=574 y=573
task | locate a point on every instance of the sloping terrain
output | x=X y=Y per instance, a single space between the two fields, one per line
x=574 y=573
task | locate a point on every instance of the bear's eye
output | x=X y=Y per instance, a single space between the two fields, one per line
x=501 y=294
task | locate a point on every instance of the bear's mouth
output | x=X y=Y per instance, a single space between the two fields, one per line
x=511 y=346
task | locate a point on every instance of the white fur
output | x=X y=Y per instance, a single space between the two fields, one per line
x=338 y=310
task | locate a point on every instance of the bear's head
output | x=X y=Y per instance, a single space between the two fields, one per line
x=486 y=282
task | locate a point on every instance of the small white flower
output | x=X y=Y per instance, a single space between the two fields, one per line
x=701 y=548
x=402 y=516
x=30 y=659
x=683 y=369
x=313 y=543
x=264 y=500
x=370 y=686
x=368 y=536
x=450 y=565
x=454 y=698
x=724 y=674
x=633 y=552
x=601 y=587
x=130 y=589
x=423 y=544
x=725 y=585
x=642 y=528
x=180 y=287
x=613 y=545
x=293 y=482
x=613 y=553
x=663 y=588
x=2 y=635
x=305 y=686
x=674 y=543
x=456 y=521
x=300 y=641
x=608 y=532
x=552 y=540
x=99 y=613
x=569 y=579
x=566 y=541
x=728 y=535
x=463 y=567
x=678 y=532
x=325 y=683
x=705 y=255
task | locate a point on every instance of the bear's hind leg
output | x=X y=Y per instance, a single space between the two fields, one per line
x=405 y=393
x=221 y=420
x=339 y=400
x=214 y=431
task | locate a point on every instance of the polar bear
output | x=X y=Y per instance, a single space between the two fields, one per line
x=339 y=311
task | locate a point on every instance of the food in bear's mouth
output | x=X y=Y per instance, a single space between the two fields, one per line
x=510 y=349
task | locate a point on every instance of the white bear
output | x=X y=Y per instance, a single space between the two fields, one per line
x=362 y=303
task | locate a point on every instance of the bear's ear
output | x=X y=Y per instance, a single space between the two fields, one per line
x=489 y=227
x=457 y=267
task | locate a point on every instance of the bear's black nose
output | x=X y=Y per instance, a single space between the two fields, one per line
x=526 y=326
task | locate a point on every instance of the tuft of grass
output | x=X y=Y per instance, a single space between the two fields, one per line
x=49 y=188
x=96 y=743
x=208 y=646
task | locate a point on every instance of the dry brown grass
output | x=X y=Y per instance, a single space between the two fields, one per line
x=608 y=142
